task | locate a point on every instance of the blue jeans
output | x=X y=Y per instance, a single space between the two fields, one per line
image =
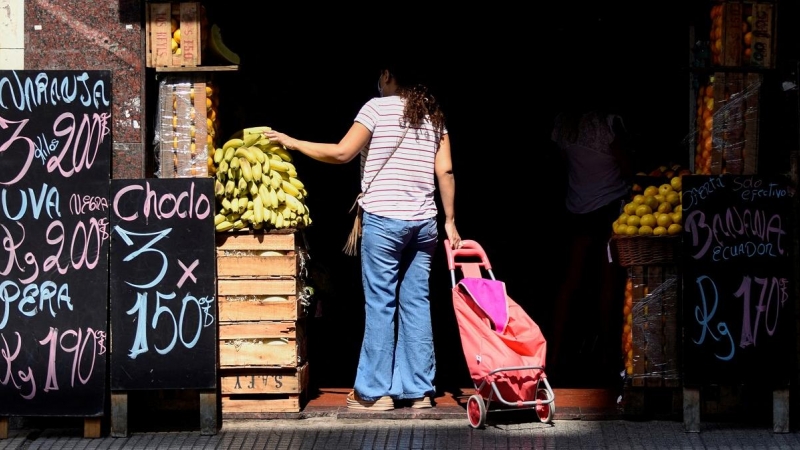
x=397 y=356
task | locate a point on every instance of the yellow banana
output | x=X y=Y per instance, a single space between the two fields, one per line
x=223 y=166
x=247 y=172
x=258 y=131
x=290 y=170
x=281 y=195
x=218 y=155
x=234 y=164
x=258 y=154
x=248 y=216
x=255 y=169
x=244 y=152
x=235 y=204
x=219 y=189
x=250 y=139
x=279 y=221
x=280 y=166
x=289 y=188
x=229 y=154
x=263 y=192
x=229 y=187
x=273 y=198
x=253 y=187
x=232 y=143
x=258 y=210
x=224 y=226
x=282 y=152
x=238 y=225
x=276 y=180
x=218 y=219
x=296 y=183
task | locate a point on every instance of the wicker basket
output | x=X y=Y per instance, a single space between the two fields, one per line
x=646 y=250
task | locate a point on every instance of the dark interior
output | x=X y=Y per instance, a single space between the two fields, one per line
x=501 y=74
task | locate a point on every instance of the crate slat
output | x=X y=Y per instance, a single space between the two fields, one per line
x=233 y=309
x=158 y=34
x=264 y=381
x=273 y=241
x=259 y=266
x=232 y=405
x=257 y=286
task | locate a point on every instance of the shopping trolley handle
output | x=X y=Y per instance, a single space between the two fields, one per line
x=469 y=248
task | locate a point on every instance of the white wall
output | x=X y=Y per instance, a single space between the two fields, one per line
x=12 y=34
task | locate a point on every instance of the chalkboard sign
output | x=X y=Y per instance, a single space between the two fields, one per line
x=163 y=284
x=55 y=149
x=738 y=315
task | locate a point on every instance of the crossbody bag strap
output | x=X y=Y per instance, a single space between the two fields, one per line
x=379 y=169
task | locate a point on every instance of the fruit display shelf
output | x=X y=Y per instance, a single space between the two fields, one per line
x=646 y=250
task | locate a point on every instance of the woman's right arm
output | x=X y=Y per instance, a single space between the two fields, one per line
x=351 y=144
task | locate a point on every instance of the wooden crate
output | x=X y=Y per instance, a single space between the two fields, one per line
x=735 y=132
x=186 y=132
x=743 y=33
x=257 y=391
x=654 y=325
x=159 y=34
x=263 y=344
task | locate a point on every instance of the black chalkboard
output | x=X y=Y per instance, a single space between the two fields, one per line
x=163 y=284
x=55 y=149
x=738 y=315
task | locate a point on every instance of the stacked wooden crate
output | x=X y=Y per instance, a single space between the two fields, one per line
x=262 y=348
x=162 y=22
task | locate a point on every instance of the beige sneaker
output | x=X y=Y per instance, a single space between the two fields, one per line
x=384 y=403
x=420 y=403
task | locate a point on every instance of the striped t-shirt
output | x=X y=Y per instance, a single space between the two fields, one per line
x=404 y=187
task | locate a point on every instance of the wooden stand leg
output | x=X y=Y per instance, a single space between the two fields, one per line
x=119 y=414
x=3 y=427
x=780 y=411
x=691 y=410
x=92 y=427
x=208 y=413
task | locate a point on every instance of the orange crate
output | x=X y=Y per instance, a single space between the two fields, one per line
x=743 y=33
x=161 y=18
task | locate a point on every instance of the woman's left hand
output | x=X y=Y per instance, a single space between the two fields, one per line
x=452 y=235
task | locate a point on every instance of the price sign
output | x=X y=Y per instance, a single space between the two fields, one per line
x=738 y=315
x=163 y=284
x=55 y=148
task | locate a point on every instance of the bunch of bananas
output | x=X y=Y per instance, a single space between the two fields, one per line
x=257 y=186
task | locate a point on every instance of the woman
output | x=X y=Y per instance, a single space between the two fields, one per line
x=403 y=142
x=594 y=147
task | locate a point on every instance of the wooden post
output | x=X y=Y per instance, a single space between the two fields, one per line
x=3 y=427
x=780 y=410
x=691 y=410
x=92 y=427
x=208 y=413
x=119 y=414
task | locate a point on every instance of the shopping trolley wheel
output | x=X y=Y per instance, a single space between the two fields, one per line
x=548 y=410
x=476 y=411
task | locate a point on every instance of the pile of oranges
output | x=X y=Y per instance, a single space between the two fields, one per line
x=655 y=212
x=705 y=127
x=627 y=328
x=716 y=34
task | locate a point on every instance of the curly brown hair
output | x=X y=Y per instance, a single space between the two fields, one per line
x=421 y=104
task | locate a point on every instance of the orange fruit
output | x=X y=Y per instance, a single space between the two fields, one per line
x=748 y=38
x=664 y=220
x=665 y=207
x=674 y=229
x=659 y=231
x=676 y=183
x=645 y=230
x=665 y=189
x=651 y=201
x=647 y=220
x=641 y=210
x=634 y=221
x=651 y=191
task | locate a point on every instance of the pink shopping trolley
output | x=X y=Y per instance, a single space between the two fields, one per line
x=504 y=348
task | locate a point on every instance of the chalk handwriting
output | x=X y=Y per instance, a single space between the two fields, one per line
x=91 y=133
x=146 y=248
x=29 y=93
x=163 y=206
x=19 y=143
x=736 y=233
x=693 y=196
x=33 y=299
x=704 y=317
x=48 y=199
x=163 y=316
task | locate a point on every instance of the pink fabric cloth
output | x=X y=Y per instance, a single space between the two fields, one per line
x=490 y=296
